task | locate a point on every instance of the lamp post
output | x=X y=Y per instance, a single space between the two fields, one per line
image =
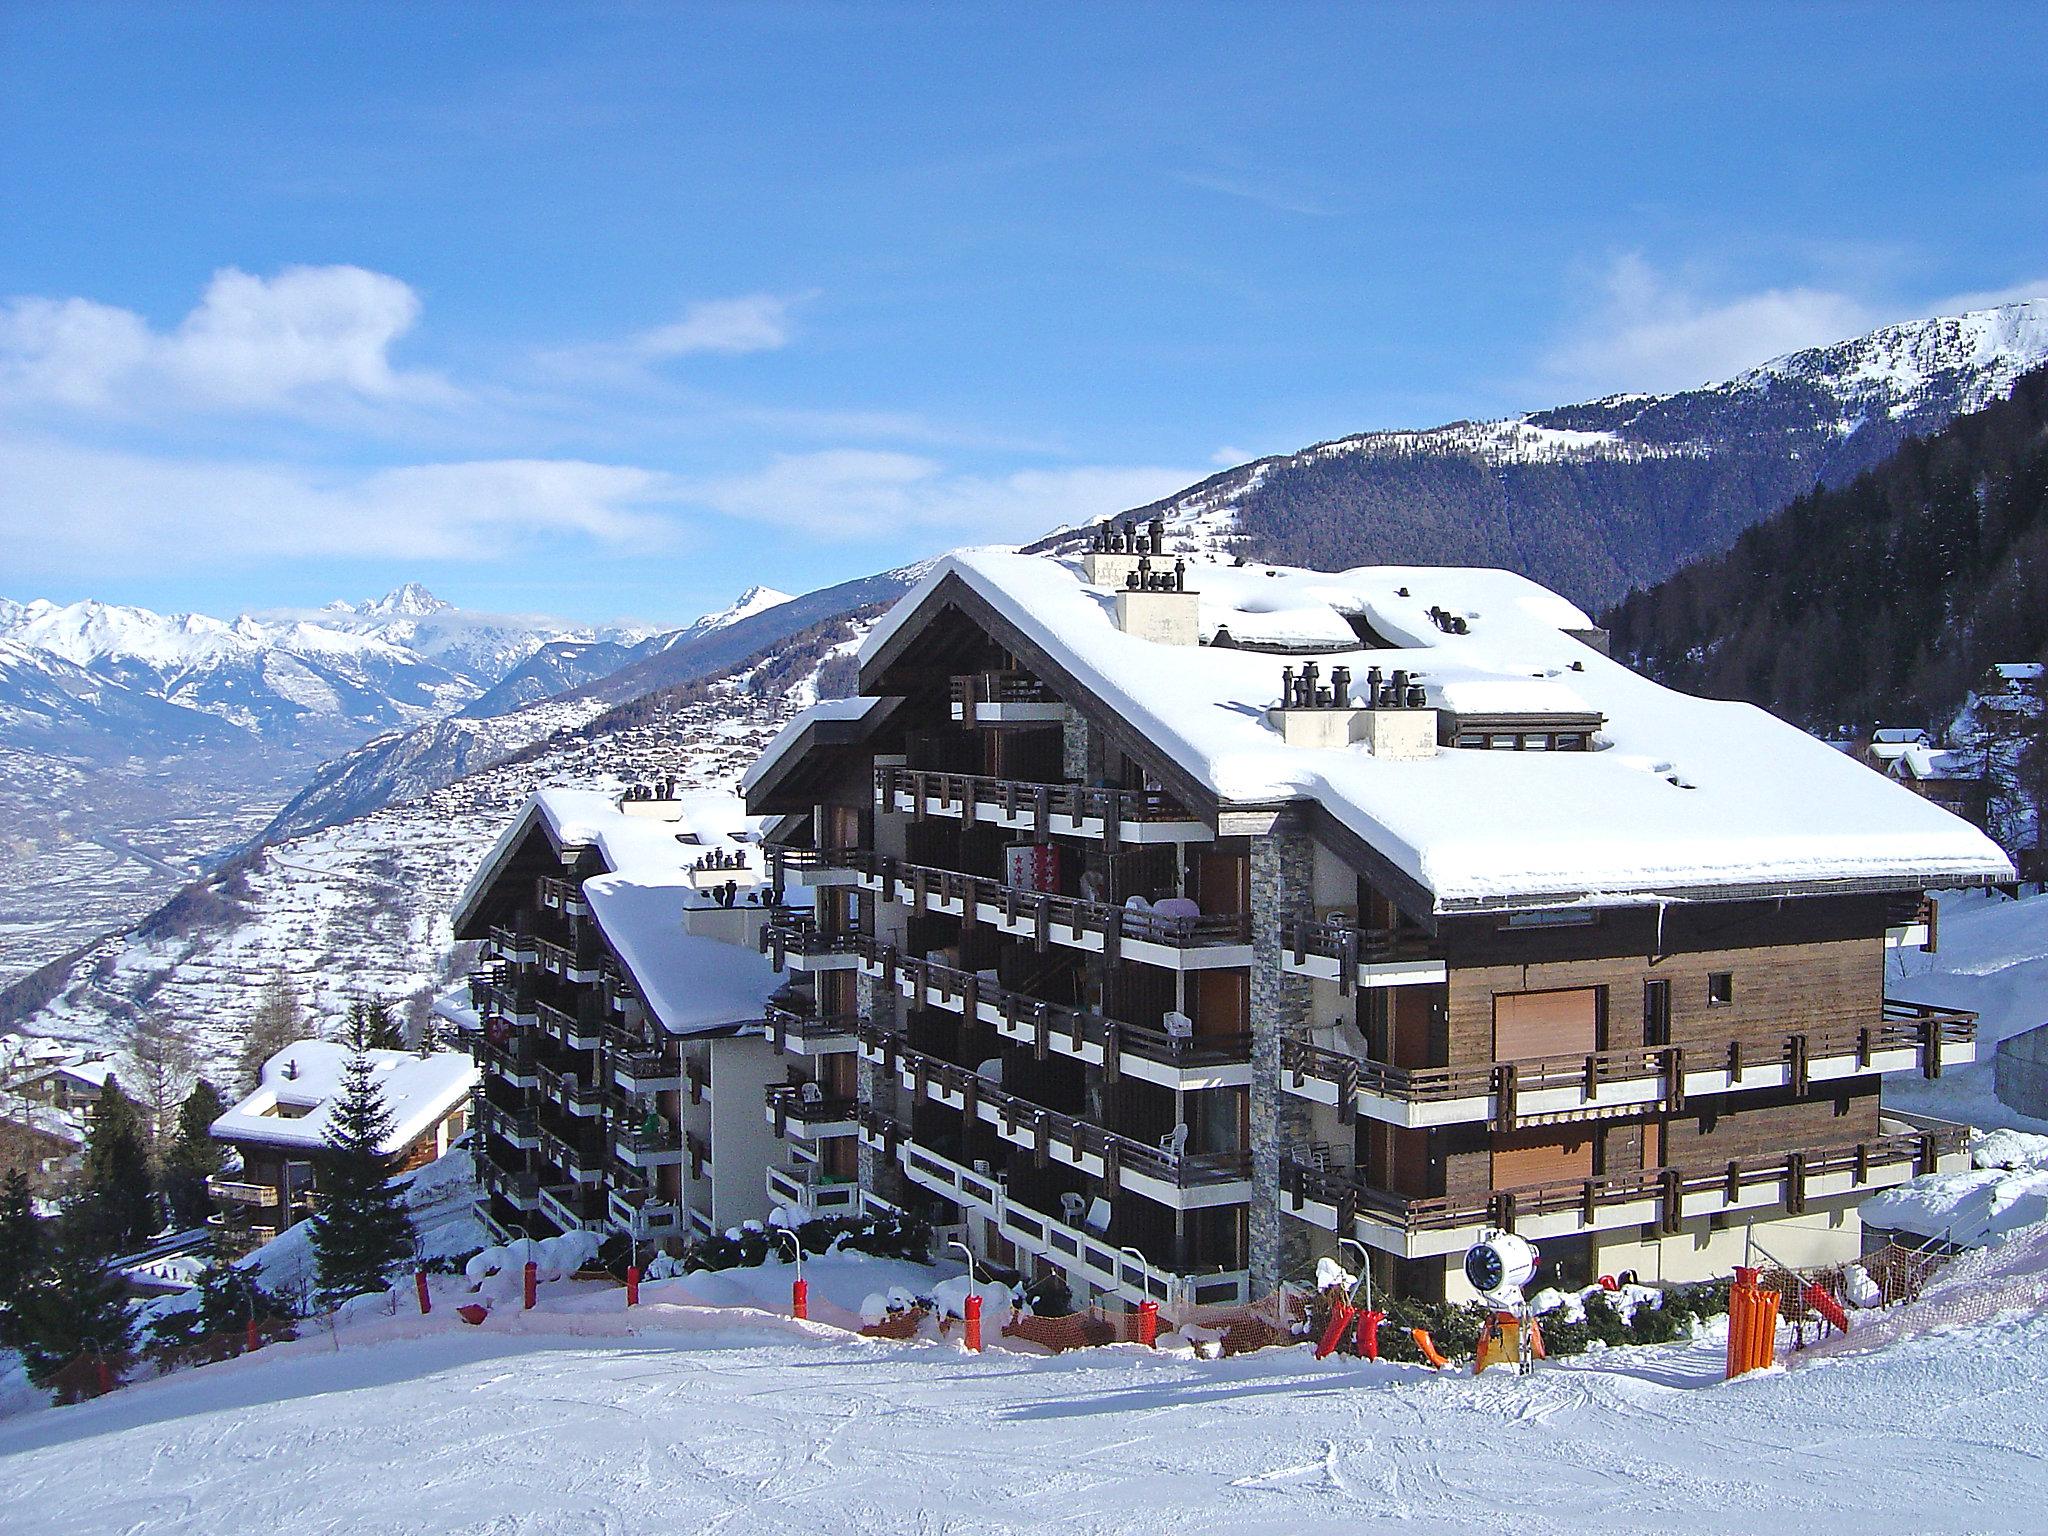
x=1148 y=1309
x=799 y=1292
x=972 y=1308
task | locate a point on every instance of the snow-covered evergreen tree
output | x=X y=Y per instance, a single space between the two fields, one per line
x=361 y=1229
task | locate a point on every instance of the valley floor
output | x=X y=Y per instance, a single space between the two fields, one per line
x=572 y=1419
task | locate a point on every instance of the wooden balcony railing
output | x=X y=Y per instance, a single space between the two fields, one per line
x=787 y=1102
x=1353 y=1198
x=1049 y=1128
x=1054 y=1026
x=1909 y=1026
x=563 y=895
x=791 y=932
x=923 y=885
x=1350 y=947
x=786 y=1023
x=1013 y=798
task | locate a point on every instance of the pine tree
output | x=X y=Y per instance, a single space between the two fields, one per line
x=370 y=1027
x=193 y=1156
x=117 y=1210
x=77 y=1307
x=276 y=1023
x=361 y=1230
x=21 y=1251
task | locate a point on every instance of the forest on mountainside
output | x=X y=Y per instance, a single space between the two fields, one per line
x=1882 y=599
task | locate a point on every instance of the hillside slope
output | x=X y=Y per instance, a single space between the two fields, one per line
x=1885 y=599
x=1597 y=498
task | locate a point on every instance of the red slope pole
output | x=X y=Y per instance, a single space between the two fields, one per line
x=419 y=1280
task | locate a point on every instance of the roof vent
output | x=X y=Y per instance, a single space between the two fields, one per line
x=1114 y=551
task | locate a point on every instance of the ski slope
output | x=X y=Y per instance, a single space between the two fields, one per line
x=579 y=1418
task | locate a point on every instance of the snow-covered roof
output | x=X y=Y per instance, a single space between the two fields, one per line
x=1916 y=762
x=2018 y=671
x=1684 y=794
x=292 y=1105
x=689 y=983
x=1898 y=735
x=849 y=710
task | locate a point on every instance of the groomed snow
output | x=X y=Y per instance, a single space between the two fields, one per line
x=581 y=1418
x=1686 y=794
x=305 y=1078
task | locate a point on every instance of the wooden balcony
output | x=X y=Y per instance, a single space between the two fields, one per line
x=806 y=1185
x=512 y=946
x=1633 y=1080
x=1359 y=957
x=645 y=1069
x=562 y=1025
x=651 y=1143
x=571 y=1089
x=1182 y=1062
x=508 y=999
x=1004 y=698
x=564 y=896
x=515 y=1127
x=566 y=962
x=1085 y=1255
x=1172 y=1176
x=793 y=941
x=512 y=1060
x=1662 y=1198
x=576 y=1165
x=641 y=1214
x=1114 y=816
x=235 y=1192
x=804 y=1112
x=574 y=1208
x=804 y=1031
x=1204 y=941
x=817 y=868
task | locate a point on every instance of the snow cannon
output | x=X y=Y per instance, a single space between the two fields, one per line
x=1498 y=1266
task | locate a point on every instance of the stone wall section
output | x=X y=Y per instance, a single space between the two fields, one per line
x=1282 y=887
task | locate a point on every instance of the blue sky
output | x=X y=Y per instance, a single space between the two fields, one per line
x=614 y=311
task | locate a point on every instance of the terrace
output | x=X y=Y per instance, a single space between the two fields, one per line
x=1589 y=1085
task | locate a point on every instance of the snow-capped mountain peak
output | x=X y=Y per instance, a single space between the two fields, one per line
x=411 y=601
x=755 y=599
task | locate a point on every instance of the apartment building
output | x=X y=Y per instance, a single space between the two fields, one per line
x=1191 y=917
x=621 y=1018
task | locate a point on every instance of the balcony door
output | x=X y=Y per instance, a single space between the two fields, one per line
x=1562 y=1023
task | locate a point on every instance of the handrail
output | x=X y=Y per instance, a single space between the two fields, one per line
x=1054 y=1021
x=1350 y=945
x=1049 y=908
x=788 y=1099
x=1345 y=1189
x=802 y=1024
x=1116 y=1151
x=1907 y=1025
x=1079 y=802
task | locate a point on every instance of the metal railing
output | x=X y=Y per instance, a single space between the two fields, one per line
x=1053 y=1026
x=1049 y=1132
x=1354 y=1198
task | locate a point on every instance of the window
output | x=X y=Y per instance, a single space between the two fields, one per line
x=1656 y=1013
x=1571 y=741
x=1720 y=988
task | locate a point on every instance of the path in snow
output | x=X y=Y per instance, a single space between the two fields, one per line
x=709 y=1423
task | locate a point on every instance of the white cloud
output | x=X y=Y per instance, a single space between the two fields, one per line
x=755 y=322
x=1651 y=331
x=87 y=511
x=305 y=339
x=1228 y=457
x=858 y=493
x=1991 y=298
